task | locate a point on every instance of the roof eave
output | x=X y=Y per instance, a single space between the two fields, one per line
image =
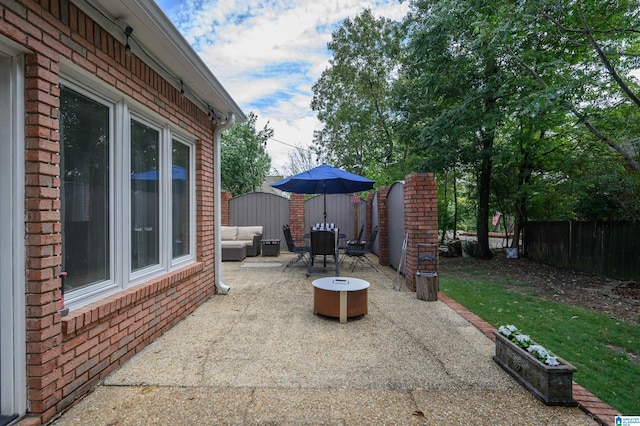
x=167 y=50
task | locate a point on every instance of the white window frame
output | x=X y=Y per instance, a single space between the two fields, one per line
x=99 y=290
x=190 y=257
x=122 y=111
x=13 y=369
x=151 y=270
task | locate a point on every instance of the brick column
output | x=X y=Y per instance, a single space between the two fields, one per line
x=383 y=225
x=296 y=216
x=368 y=227
x=44 y=235
x=225 y=197
x=420 y=219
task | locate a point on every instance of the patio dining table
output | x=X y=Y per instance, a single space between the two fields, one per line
x=324 y=242
x=327 y=227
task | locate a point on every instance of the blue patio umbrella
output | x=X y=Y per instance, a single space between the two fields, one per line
x=178 y=173
x=324 y=180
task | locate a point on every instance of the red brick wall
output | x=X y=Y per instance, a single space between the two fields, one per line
x=225 y=197
x=420 y=218
x=383 y=226
x=43 y=232
x=101 y=336
x=68 y=356
x=296 y=216
x=368 y=229
x=205 y=242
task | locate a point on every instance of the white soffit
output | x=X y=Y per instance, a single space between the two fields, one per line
x=163 y=42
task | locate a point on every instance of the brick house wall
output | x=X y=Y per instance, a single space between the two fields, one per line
x=67 y=356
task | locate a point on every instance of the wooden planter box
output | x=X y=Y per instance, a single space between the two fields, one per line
x=553 y=385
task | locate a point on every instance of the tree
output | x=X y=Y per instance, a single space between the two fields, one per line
x=506 y=87
x=573 y=96
x=460 y=82
x=300 y=159
x=518 y=99
x=448 y=214
x=244 y=160
x=353 y=97
x=596 y=47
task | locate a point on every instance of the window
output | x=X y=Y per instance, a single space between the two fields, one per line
x=125 y=217
x=84 y=130
x=145 y=196
x=180 y=192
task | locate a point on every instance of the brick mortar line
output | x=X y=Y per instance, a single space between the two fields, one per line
x=602 y=412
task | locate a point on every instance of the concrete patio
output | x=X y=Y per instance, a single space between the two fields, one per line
x=260 y=356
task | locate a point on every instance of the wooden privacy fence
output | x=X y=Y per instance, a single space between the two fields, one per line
x=610 y=249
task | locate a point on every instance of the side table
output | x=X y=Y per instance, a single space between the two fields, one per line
x=271 y=247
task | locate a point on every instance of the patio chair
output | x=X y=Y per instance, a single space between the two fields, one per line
x=300 y=251
x=359 y=254
x=357 y=242
x=360 y=234
x=324 y=243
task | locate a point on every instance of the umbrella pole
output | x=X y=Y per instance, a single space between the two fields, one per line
x=324 y=191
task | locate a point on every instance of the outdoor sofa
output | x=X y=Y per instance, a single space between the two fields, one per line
x=239 y=242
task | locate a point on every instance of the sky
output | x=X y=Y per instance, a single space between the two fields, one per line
x=268 y=54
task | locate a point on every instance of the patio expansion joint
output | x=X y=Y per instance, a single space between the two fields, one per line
x=602 y=412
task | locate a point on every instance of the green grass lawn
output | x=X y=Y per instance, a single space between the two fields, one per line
x=606 y=351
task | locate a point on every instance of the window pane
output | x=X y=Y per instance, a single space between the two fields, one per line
x=180 y=198
x=145 y=196
x=84 y=128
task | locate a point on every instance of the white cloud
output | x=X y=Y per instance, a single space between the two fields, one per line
x=268 y=54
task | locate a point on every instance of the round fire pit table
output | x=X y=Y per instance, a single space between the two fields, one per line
x=340 y=297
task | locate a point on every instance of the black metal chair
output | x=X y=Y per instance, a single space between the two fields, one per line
x=324 y=243
x=300 y=251
x=358 y=254
x=360 y=234
x=352 y=243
